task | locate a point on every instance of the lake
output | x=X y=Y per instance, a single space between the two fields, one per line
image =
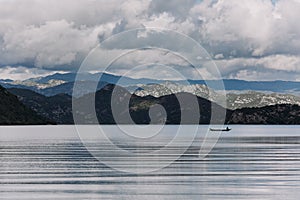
x=51 y=162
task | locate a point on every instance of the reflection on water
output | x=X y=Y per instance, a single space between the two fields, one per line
x=242 y=165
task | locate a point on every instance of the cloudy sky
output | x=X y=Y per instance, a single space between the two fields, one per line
x=251 y=40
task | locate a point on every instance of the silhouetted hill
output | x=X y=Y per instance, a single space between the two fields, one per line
x=135 y=109
x=276 y=114
x=57 y=108
x=130 y=108
x=13 y=112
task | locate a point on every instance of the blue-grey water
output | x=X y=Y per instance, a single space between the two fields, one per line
x=250 y=162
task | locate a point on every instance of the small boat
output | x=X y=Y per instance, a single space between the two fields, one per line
x=216 y=129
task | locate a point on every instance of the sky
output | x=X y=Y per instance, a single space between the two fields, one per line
x=249 y=40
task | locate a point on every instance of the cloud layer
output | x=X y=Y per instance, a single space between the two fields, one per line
x=255 y=40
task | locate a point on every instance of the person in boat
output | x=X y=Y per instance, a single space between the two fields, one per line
x=225 y=129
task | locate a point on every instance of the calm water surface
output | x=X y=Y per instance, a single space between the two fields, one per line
x=250 y=162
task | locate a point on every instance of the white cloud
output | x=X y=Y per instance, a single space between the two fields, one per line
x=168 y=21
x=263 y=75
x=255 y=28
x=247 y=38
x=176 y=8
x=81 y=12
x=52 y=44
x=281 y=62
x=285 y=67
x=22 y=73
x=274 y=62
x=219 y=56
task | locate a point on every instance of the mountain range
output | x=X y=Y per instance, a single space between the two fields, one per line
x=58 y=108
x=242 y=99
x=42 y=84
x=48 y=99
